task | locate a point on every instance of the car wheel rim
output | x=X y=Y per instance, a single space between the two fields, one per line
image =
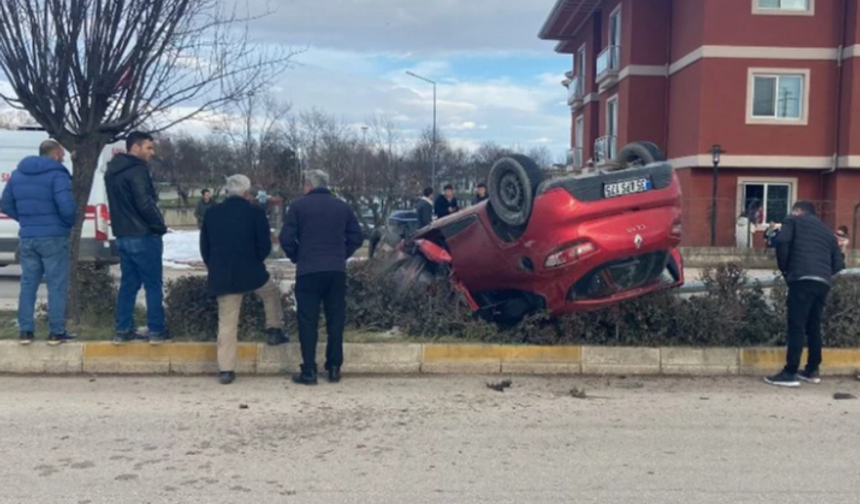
x=512 y=192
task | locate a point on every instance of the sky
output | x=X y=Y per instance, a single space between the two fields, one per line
x=496 y=80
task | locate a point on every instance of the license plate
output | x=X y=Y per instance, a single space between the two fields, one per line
x=627 y=187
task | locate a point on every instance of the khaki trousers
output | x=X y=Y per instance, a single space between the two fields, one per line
x=229 y=307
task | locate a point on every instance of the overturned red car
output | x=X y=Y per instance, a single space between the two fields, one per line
x=563 y=245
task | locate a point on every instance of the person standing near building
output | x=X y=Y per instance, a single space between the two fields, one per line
x=770 y=235
x=480 y=194
x=139 y=227
x=320 y=233
x=843 y=240
x=234 y=243
x=446 y=203
x=39 y=197
x=206 y=202
x=424 y=208
x=808 y=257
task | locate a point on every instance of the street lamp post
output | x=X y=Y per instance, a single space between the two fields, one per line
x=433 y=147
x=716 y=151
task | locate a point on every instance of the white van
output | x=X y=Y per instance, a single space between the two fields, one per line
x=97 y=243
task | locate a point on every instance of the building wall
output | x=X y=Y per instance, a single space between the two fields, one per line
x=685 y=108
x=732 y=22
x=688 y=22
x=650 y=32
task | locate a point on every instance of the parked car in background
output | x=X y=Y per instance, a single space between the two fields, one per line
x=97 y=242
x=568 y=244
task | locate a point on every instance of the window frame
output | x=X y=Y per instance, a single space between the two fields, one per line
x=617 y=101
x=581 y=64
x=791 y=182
x=804 y=73
x=616 y=12
x=779 y=11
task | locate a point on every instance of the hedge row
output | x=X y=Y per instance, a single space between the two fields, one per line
x=726 y=315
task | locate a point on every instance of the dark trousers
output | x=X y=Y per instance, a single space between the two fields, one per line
x=806 y=300
x=329 y=290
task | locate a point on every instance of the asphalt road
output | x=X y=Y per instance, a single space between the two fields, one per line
x=425 y=440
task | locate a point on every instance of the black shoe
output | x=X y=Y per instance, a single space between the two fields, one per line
x=334 y=374
x=226 y=377
x=305 y=378
x=275 y=337
x=810 y=377
x=783 y=379
x=121 y=338
x=26 y=338
x=59 y=339
x=159 y=338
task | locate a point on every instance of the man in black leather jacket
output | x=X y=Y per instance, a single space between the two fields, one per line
x=808 y=257
x=138 y=226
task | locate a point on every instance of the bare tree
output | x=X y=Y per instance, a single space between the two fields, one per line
x=13 y=119
x=89 y=71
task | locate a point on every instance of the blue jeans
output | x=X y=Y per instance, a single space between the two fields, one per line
x=140 y=264
x=48 y=257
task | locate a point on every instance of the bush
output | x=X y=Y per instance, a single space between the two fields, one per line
x=726 y=315
x=192 y=313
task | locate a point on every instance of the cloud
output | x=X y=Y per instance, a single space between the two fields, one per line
x=409 y=27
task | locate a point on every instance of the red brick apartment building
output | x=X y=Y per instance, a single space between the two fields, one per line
x=774 y=83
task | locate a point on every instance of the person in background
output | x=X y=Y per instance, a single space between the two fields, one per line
x=742 y=232
x=320 y=233
x=770 y=235
x=206 y=202
x=234 y=242
x=843 y=240
x=424 y=208
x=446 y=203
x=139 y=227
x=480 y=194
x=39 y=197
x=808 y=257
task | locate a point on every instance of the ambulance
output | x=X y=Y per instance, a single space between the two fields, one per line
x=97 y=241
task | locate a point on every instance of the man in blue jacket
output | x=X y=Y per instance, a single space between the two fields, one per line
x=320 y=233
x=39 y=196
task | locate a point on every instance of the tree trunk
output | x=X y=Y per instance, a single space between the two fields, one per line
x=84 y=162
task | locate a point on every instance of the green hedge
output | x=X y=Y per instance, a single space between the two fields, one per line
x=726 y=315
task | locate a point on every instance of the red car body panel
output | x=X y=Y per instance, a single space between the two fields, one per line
x=618 y=229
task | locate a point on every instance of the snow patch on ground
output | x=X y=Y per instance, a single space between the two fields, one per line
x=182 y=250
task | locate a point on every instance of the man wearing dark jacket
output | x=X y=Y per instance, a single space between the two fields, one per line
x=234 y=243
x=39 y=196
x=320 y=233
x=138 y=226
x=204 y=205
x=424 y=208
x=446 y=203
x=808 y=257
x=480 y=194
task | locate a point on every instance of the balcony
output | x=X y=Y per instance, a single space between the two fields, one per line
x=574 y=92
x=605 y=149
x=608 y=63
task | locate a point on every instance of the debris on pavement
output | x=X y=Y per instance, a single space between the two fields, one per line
x=243 y=406
x=501 y=386
x=578 y=393
x=843 y=396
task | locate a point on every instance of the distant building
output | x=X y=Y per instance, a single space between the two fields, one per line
x=770 y=81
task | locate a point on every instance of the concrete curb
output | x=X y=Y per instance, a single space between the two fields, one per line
x=410 y=358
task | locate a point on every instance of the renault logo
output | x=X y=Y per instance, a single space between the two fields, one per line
x=638 y=241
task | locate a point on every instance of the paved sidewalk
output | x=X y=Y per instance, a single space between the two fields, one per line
x=440 y=440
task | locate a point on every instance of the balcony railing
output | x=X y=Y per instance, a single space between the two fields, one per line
x=608 y=63
x=604 y=148
x=576 y=157
x=574 y=91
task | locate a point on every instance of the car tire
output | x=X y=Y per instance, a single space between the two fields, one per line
x=513 y=183
x=639 y=154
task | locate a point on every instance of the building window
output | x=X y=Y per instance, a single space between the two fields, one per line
x=611 y=126
x=766 y=202
x=784 y=7
x=778 y=96
x=580 y=62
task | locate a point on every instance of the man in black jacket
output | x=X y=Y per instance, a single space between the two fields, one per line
x=808 y=257
x=424 y=208
x=446 y=203
x=138 y=226
x=235 y=242
x=320 y=233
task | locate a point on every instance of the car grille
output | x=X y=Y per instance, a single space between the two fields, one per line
x=615 y=277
